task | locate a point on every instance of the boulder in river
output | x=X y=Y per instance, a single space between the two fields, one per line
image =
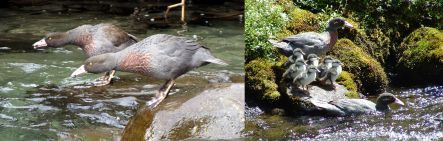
x=368 y=73
x=212 y=114
x=421 y=57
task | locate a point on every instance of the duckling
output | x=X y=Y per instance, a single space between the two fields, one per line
x=295 y=70
x=312 y=59
x=324 y=66
x=297 y=54
x=332 y=74
x=306 y=78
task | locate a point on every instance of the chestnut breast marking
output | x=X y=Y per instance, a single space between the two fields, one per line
x=136 y=62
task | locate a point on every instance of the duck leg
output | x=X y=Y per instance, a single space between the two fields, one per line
x=105 y=80
x=161 y=94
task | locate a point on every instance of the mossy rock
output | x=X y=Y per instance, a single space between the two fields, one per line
x=347 y=79
x=369 y=74
x=421 y=57
x=260 y=81
x=300 y=21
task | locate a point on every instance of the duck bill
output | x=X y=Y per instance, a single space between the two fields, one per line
x=398 y=101
x=40 y=44
x=81 y=70
x=347 y=24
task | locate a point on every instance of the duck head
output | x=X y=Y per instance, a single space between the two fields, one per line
x=328 y=59
x=97 y=64
x=55 y=39
x=337 y=23
x=385 y=99
x=313 y=59
x=336 y=63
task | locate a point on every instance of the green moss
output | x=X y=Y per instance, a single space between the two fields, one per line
x=302 y=21
x=369 y=74
x=421 y=56
x=347 y=79
x=260 y=81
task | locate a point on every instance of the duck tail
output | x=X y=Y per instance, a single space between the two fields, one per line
x=282 y=47
x=217 y=61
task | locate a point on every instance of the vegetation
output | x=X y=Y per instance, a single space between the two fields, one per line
x=347 y=79
x=260 y=81
x=265 y=18
x=421 y=56
x=369 y=74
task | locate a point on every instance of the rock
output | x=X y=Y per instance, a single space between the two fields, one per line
x=261 y=81
x=214 y=114
x=369 y=74
x=421 y=57
x=309 y=103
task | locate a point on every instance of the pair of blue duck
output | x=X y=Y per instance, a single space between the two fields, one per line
x=110 y=49
x=320 y=44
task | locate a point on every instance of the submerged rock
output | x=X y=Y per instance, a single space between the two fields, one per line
x=368 y=73
x=421 y=57
x=212 y=114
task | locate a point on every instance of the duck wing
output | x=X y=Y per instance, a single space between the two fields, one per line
x=306 y=41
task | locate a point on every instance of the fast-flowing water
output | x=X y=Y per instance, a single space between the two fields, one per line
x=38 y=100
x=420 y=119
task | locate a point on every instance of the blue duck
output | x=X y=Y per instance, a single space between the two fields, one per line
x=297 y=54
x=306 y=77
x=346 y=107
x=92 y=39
x=329 y=76
x=312 y=42
x=295 y=70
x=312 y=59
x=164 y=57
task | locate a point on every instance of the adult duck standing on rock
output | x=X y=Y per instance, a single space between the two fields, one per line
x=93 y=40
x=166 y=59
x=312 y=42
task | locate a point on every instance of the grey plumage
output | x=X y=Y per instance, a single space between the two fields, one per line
x=306 y=77
x=332 y=73
x=312 y=59
x=312 y=42
x=345 y=107
x=297 y=54
x=295 y=70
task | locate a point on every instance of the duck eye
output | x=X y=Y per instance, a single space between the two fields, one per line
x=90 y=64
x=49 y=38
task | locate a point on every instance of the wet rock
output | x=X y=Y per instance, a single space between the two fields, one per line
x=368 y=73
x=421 y=57
x=212 y=114
x=310 y=102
